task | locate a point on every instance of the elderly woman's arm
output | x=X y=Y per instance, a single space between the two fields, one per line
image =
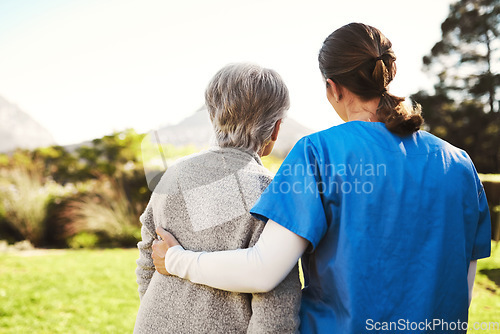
x=145 y=267
x=257 y=269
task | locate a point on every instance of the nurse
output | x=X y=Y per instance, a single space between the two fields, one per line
x=388 y=220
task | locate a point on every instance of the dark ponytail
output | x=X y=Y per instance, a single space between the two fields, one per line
x=398 y=118
x=360 y=58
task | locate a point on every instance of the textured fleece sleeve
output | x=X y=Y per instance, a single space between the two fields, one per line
x=277 y=311
x=145 y=267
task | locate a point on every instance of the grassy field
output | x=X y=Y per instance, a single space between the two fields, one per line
x=95 y=291
x=485 y=306
x=69 y=292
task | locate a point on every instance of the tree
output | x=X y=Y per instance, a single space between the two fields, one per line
x=464 y=109
x=111 y=155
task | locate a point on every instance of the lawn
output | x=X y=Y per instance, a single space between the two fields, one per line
x=94 y=291
x=485 y=306
x=69 y=292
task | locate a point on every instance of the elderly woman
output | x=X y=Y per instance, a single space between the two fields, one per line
x=391 y=219
x=205 y=199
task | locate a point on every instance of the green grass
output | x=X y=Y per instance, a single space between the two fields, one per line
x=94 y=291
x=69 y=292
x=485 y=306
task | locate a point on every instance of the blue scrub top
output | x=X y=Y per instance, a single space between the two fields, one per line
x=393 y=224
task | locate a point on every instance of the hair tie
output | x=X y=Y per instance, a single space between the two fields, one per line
x=379 y=58
x=383 y=91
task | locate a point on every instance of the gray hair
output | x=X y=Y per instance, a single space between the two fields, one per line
x=244 y=102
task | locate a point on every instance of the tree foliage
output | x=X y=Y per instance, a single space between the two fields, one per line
x=464 y=108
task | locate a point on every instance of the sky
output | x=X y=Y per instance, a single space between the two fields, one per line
x=86 y=68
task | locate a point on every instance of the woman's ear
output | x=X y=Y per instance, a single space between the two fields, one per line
x=334 y=89
x=267 y=149
x=274 y=135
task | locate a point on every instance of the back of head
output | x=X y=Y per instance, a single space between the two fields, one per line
x=244 y=102
x=360 y=58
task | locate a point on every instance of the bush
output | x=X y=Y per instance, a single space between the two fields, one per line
x=495 y=223
x=24 y=201
x=83 y=240
x=107 y=214
x=491 y=183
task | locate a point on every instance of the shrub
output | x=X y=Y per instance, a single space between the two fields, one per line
x=83 y=240
x=495 y=222
x=107 y=213
x=491 y=183
x=24 y=201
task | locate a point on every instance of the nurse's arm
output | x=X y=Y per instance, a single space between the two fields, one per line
x=257 y=269
x=470 y=277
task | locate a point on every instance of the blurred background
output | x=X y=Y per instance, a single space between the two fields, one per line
x=85 y=84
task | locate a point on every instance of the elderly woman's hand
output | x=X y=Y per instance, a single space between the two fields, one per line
x=160 y=248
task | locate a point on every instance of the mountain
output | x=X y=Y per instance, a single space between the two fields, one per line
x=197 y=130
x=19 y=130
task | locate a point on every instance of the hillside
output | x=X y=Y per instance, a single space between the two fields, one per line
x=19 y=130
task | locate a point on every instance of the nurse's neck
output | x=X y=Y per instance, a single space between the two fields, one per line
x=350 y=107
x=358 y=110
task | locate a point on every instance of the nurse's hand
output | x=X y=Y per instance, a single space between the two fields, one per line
x=160 y=248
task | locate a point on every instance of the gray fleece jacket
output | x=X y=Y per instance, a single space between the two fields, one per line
x=204 y=201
